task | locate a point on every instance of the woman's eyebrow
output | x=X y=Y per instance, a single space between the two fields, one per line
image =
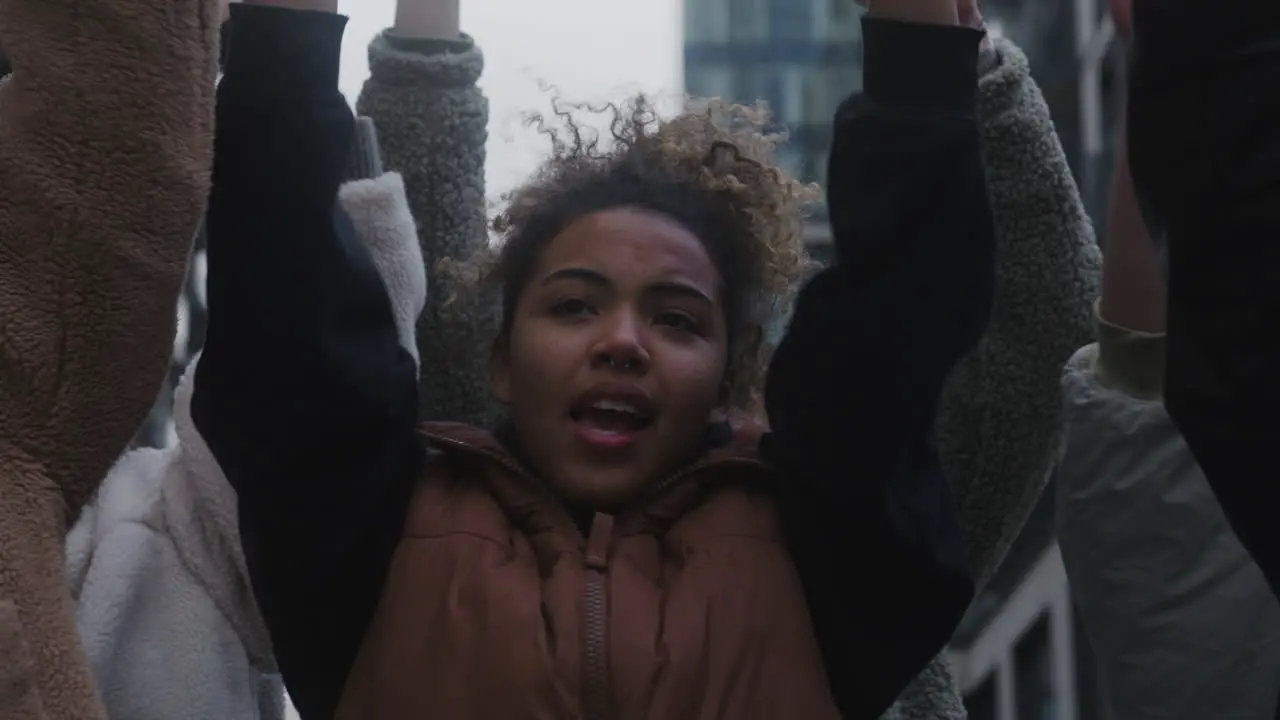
x=580 y=274
x=599 y=279
x=676 y=287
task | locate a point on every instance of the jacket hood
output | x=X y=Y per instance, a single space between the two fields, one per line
x=732 y=455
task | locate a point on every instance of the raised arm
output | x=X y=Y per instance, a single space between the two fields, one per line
x=105 y=144
x=1204 y=139
x=1179 y=616
x=854 y=385
x=1001 y=414
x=431 y=118
x=303 y=392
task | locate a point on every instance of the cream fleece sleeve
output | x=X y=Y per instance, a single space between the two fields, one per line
x=1179 y=616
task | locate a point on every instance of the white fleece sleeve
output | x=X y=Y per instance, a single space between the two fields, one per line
x=1181 y=619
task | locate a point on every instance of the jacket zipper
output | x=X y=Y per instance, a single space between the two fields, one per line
x=596 y=693
x=595 y=659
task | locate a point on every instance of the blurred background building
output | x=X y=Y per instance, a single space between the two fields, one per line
x=1019 y=654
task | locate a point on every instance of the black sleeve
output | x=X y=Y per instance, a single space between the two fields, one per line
x=303 y=392
x=855 y=383
x=1204 y=139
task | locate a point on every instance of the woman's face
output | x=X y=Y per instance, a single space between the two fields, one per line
x=616 y=356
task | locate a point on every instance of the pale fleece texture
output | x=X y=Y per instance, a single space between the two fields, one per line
x=164 y=604
x=431 y=122
x=106 y=139
x=1000 y=419
x=1182 y=622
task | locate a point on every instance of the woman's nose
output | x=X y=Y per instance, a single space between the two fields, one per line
x=622 y=348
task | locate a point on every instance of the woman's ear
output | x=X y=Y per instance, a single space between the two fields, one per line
x=719 y=425
x=500 y=371
x=720 y=413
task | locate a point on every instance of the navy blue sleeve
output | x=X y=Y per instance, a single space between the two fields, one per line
x=1204 y=148
x=854 y=386
x=303 y=392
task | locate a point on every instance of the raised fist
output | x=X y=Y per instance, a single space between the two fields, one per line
x=1122 y=16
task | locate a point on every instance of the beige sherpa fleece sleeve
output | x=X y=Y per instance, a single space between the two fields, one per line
x=105 y=151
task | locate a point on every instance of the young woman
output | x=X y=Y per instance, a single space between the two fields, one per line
x=619 y=549
x=105 y=143
x=998 y=422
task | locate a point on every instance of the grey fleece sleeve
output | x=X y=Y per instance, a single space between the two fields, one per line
x=998 y=424
x=1001 y=414
x=431 y=121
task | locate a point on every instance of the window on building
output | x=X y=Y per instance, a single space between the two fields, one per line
x=775 y=94
x=841 y=20
x=981 y=703
x=842 y=9
x=1033 y=672
x=706 y=21
x=827 y=86
x=790 y=19
x=791 y=94
x=746 y=19
x=708 y=81
x=1091 y=701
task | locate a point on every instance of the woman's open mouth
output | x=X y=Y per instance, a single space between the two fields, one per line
x=609 y=423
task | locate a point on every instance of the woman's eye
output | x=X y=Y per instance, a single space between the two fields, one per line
x=678 y=321
x=573 y=307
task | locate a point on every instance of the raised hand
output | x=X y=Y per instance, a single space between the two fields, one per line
x=1122 y=16
x=934 y=12
x=968 y=14
x=437 y=19
x=330 y=6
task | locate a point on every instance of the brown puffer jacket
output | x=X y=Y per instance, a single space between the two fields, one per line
x=105 y=151
x=497 y=606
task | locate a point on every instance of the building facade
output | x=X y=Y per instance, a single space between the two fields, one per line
x=801 y=57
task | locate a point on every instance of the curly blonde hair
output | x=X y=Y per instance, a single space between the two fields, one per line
x=710 y=168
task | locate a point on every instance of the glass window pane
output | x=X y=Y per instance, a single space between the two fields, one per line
x=981 y=703
x=1033 y=670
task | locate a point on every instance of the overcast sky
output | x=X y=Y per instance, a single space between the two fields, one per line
x=592 y=50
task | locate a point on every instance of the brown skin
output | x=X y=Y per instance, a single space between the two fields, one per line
x=436 y=19
x=934 y=12
x=1133 y=288
x=637 y=288
x=329 y=6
